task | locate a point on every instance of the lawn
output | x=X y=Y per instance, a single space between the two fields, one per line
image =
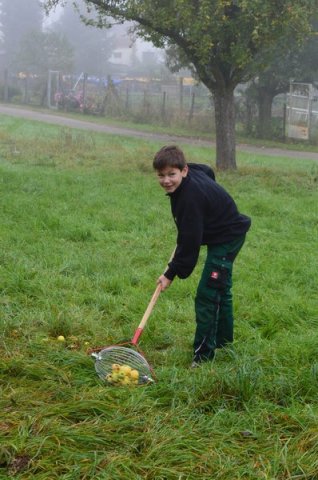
x=85 y=232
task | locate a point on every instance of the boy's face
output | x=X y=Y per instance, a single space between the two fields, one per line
x=171 y=177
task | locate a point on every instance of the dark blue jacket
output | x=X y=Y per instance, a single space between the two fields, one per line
x=205 y=214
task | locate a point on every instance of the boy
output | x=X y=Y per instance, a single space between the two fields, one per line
x=205 y=214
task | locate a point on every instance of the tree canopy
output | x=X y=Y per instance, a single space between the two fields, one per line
x=226 y=42
x=92 y=46
x=43 y=51
x=299 y=62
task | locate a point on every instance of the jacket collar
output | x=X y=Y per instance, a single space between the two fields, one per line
x=184 y=181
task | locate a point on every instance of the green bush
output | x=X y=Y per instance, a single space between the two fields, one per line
x=12 y=92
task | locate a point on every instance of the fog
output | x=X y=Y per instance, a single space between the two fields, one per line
x=34 y=42
x=53 y=16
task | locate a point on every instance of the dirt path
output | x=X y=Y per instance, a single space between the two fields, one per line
x=56 y=119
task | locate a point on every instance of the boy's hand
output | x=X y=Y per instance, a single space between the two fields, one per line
x=165 y=282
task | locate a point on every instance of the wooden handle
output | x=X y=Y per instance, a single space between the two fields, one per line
x=148 y=311
x=146 y=315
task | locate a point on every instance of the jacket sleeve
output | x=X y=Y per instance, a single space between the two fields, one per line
x=190 y=231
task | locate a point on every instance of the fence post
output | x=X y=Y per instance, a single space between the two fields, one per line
x=26 y=90
x=99 y=102
x=284 y=119
x=48 y=89
x=109 y=82
x=163 y=108
x=6 y=86
x=84 y=90
x=191 y=107
x=145 y=99
x=181 y=94
x=127 y=99
x=146 y=102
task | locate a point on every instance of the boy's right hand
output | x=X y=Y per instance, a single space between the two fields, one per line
x=165 y=282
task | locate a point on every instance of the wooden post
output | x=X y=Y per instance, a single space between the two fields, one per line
x=181 y=94
x=145 y=99
x=48 y=89
x=127 y=99
x=84 y=90
x=146 y=103
x=163 y=108
x=191 y=107
x=26 y=90
x=6 y=86
x=284 y=119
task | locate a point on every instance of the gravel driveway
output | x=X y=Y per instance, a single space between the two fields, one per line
x=58 y=119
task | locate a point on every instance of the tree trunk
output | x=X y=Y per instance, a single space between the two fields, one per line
x=265 y=101
x=225 y=128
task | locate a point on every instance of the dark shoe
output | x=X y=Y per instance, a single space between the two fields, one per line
x=195 y=364
x=199 y=359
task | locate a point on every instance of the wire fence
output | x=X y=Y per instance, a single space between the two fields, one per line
x=177 y=101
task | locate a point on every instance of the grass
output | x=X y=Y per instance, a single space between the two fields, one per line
x=191 y=131
x=85 y=232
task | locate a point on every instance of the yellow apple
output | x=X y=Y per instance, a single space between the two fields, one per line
x=134 y=374
x=125 y=369
x=125 y=381
x=115 y=377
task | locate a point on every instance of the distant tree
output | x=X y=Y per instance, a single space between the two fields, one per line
x=226 y=42
x=40 y=52
x=298 y=62
x=92 y=47
x=17 y=18
x=43 y=51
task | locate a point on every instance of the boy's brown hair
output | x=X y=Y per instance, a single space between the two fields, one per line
x=169 y=156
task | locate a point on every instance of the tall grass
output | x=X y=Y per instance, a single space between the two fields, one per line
x=85 y=232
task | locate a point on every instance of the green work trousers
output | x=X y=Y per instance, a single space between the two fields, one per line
x=213 y=301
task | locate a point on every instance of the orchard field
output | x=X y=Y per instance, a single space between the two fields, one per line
x=85 y=232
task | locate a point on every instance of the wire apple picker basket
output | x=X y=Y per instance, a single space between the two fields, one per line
x=125 y=364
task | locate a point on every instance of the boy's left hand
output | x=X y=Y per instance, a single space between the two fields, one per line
x=165 y=282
